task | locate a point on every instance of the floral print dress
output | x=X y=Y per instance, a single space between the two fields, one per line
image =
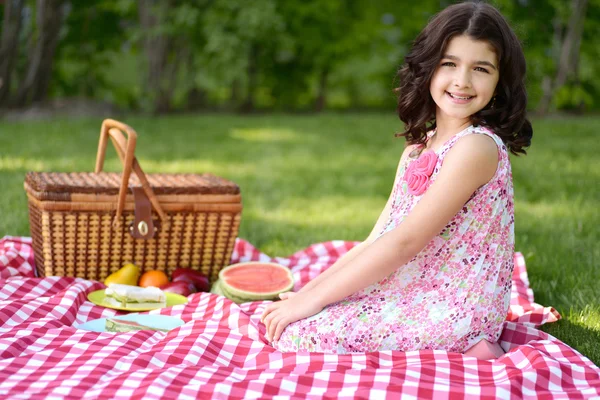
x=451 y=295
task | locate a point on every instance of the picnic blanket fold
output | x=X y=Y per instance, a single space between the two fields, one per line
x=221 y=351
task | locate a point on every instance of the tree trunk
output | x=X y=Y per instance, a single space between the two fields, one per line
x=9 y=45
x=353 y=93
x=159 y=81
x=236 y=93
x=569 y=53
x=322 y=90
x=577 y=50
x=252 y=70
x=49 y=19
x=166 y=82
x=195 y=97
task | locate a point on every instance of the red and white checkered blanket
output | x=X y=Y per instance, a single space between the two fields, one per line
x=221 y=351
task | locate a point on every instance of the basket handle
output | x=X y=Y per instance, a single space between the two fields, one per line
x=125 y=151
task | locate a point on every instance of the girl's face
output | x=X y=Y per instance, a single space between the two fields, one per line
x=465 y=79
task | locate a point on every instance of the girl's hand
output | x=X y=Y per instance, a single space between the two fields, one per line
x=280 y=314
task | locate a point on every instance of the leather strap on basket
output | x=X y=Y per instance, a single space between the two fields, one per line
x=142 y=226
x=125 y=150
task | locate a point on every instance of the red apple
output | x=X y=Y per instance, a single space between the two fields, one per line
x=189 y=275
x=179 y=287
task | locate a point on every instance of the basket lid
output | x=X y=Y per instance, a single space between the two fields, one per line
x=63 y=183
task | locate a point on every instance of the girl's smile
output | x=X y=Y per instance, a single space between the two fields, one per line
x=464 y=81
x=459 y=98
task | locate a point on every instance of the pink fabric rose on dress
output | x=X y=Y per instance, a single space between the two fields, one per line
x=419 y=171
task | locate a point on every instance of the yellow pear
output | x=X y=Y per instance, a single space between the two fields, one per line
x=127 y=275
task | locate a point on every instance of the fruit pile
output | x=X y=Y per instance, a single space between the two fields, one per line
x=242 y=282
x=185 y=281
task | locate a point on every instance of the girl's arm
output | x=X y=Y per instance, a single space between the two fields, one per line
x=356 y=250
x=338 y=265
x=470 y=164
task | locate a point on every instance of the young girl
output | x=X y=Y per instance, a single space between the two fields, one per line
x=435 y=272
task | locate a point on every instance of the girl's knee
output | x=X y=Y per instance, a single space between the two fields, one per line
x=485 y=350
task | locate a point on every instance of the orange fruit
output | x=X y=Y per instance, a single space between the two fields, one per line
x=153 y=278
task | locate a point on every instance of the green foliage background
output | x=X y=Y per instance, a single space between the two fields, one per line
x=358 y=44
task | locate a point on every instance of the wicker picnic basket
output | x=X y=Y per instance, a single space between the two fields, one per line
x=89 y=225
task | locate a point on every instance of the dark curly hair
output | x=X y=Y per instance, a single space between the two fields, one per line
x=480 y=21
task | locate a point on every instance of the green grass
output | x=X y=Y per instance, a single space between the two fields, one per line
x=308 y=179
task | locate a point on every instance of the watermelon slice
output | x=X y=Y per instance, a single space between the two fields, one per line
x=216 y=289
x=250 y=281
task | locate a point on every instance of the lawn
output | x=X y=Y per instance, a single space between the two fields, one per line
x=307 y=179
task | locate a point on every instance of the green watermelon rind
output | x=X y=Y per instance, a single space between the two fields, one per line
x=241 y=299
x=230 y=291
x=218 y=289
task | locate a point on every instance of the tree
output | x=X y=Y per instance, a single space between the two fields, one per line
x=158 y=45
x=49 y=17
x=13 y=11
x=568 y=40
x=241 y=37
x=324 y=42
x=92 y=34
